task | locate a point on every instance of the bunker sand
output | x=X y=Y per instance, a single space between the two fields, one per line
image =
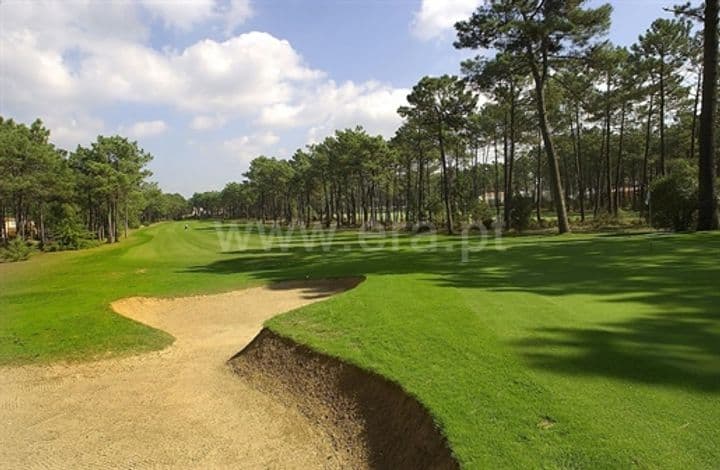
x=180 y=407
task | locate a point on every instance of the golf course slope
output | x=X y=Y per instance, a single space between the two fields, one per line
x=371 y=421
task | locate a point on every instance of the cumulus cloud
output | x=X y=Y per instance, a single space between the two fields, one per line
x=437 y=17
x=372 y=105
x=67 y=62
x=248 y=147
x=237 y=75
x=146 y=128
x=184 y=15
x=240 y=74
x=204 y=123
x=68 y=132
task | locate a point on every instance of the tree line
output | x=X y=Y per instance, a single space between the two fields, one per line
x=556 y=118
x=569 y=122
x=66 y=200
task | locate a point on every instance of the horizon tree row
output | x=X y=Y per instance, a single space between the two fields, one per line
x=66 y=200
x=568 y=119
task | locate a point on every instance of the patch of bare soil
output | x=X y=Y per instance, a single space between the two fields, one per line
x=370 y=421
x=181 y=407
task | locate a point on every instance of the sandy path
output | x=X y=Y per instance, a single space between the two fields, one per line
x=180 y=407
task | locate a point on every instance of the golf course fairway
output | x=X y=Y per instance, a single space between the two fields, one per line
x=579 y=351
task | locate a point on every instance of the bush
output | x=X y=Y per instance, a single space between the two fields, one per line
x=16 y=250
x=521 y=212
x=482 y=212
x=542 y=224
x=603 y=220
x=674 y=197
x=68 y=232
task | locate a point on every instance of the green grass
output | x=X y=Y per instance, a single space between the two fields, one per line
x=614 y=340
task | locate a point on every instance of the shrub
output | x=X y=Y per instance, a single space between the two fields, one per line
x=68 y=232
x=521 y=212
x=482 y=212
x=16 y=250
x=542 y=224
x=603 y=220
x=674 y=197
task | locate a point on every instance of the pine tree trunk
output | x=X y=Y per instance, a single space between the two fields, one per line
x=127 y=223
x=509 y=192
x=608 y=164
x=553 y=168
x=420 y=209
x=506 y=154
x=3 y=222
x=646 y=155
x=707 y=203
x=497 y=180
x=662 y=115
x=42 y=226
x=618 y=164
x=110 y=231
x=578 y=163
x=538 y=182
x=693 y=129
x=446 y=186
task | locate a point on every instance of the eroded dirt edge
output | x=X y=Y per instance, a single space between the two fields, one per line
x=371 y=421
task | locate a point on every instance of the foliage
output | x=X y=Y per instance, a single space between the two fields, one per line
x=521 y=212
x=483 y=213
x=674 y=197
x=68 y=232
x=538 y=36
x=59 y=198
x=440 y=106
x=16 y=250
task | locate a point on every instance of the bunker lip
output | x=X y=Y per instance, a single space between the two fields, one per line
x=146 y=409
x=180 y=406
x=370 y=421
x=318 y=288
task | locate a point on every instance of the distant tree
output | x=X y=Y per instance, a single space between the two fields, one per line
x=540 y=33
x=503 y=77
x=111 y=170
x=441 y=105
x=415 y=148
x=665 y=47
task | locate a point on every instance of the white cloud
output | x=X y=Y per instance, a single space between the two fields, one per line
x=328 y=106
x=180 y=14
x=248 y=147
x=66 y=62
x=68 y=132
x=185 y=15
x=436 y=17
x=372 y=105
x=236 y=13
x=204 y=123
x=239 y=75
x=280 y=115
x=146 y=128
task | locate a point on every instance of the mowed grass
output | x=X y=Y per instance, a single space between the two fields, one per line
x=543 y=352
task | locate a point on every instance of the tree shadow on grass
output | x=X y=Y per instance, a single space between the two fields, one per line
x=680 y=350
x=678 y=344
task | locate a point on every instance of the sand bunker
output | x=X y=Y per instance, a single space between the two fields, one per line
x=371 y=422
x=183 y=407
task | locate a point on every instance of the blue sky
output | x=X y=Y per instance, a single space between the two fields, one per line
x=205 y=85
